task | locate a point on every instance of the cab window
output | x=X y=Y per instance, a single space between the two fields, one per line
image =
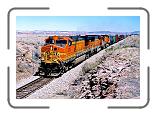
x=49 y=40
x=69 y=43
x=92 y=38
x=61 y=43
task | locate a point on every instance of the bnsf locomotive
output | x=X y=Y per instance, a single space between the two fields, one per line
x=60 y=53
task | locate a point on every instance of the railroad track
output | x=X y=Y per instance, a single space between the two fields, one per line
x=31 y=87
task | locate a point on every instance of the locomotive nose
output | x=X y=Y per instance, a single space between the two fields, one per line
x=50 y=54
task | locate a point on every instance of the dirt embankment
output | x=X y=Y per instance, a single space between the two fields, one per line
x=27 y=53
x=116 y=76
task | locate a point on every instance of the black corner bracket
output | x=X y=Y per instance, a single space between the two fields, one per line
x=8 y=68
x=19 y=107
x=148 y=96
x=148 y=48
x=19 y=8
x=148 y=19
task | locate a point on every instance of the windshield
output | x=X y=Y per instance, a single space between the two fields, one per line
x=49 y=41
x=61 y=43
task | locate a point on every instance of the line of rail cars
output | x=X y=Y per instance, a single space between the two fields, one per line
x=60 y=53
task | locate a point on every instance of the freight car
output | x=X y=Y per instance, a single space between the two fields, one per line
x=60 y=53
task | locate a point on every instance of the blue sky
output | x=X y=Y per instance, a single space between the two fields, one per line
x=79 y=23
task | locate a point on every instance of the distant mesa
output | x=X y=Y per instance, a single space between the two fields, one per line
x=75 y=32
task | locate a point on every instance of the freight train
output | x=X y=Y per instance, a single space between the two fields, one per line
x=60 y=53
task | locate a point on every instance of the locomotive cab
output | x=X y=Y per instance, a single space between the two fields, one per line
x=49 y=40
x=55 y=53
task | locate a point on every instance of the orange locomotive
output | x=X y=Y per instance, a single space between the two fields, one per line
x=62 y=52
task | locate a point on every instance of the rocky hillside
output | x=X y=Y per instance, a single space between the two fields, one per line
x=116 y=75
x=27 y=53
